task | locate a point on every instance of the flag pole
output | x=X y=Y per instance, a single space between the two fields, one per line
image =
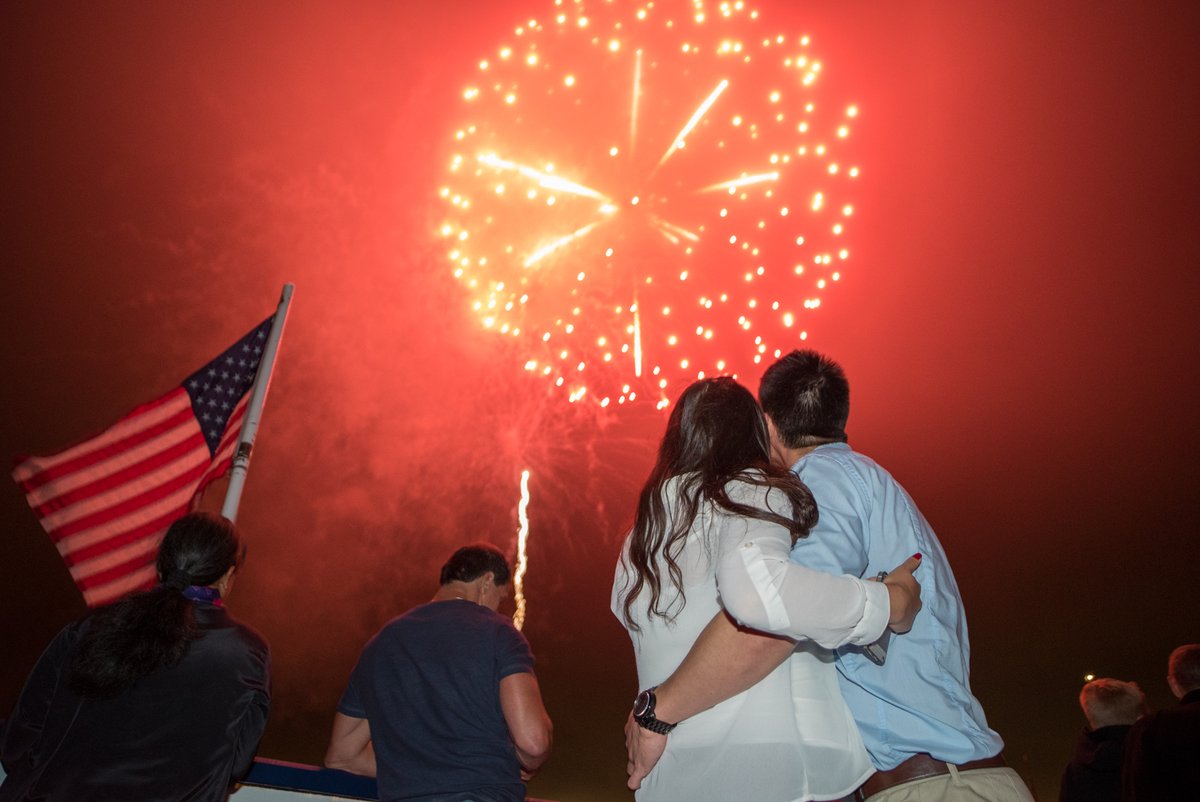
x=254 y=408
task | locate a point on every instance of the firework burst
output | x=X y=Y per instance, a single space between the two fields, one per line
x=642 y=194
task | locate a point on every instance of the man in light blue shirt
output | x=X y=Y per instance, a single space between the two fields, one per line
x=916 y=713
x=920 y=699
x=925 y=731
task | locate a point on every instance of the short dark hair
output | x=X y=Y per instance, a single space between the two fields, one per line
x=1184 y=667
x=807 y=397
x=473 y=561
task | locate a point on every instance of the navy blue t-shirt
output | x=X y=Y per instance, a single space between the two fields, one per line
x=429 y=685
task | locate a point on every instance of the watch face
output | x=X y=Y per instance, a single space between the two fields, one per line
x=643 y=704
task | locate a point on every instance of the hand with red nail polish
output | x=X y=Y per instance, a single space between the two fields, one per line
x=904 y=593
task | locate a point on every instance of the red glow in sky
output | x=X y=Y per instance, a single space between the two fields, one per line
x=1017 y=315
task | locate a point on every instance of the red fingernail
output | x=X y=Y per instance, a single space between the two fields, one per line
x=917 y=556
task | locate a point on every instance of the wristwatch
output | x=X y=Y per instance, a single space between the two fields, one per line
x=643 y=713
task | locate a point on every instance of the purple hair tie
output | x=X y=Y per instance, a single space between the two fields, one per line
x=200 y=593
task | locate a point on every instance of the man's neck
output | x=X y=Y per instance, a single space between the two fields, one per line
x=469 y=591
x=791 y=456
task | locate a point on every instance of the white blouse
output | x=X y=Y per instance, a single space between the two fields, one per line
x=790 y=737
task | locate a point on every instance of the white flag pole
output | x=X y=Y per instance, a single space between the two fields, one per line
x=254 y=409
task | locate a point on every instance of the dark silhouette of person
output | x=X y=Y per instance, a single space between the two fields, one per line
x=161 y=695
x=1094 y=773
x=1162 y=750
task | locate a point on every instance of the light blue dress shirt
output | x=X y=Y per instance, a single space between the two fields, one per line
x=920 y=699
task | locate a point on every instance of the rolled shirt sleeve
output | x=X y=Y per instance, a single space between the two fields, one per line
x=761 y=588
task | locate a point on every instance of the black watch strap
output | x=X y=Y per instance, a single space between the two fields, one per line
x=643 y=713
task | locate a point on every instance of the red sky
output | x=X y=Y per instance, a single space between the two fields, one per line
x=1017 y=321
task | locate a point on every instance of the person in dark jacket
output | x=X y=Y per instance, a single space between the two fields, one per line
x=160 y=696
x=1094 y=773
x=1162 y=754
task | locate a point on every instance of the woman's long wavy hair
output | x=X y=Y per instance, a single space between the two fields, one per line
x=716 y=433
x=144 y=632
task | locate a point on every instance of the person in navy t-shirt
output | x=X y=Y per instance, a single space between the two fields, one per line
x=443 y=705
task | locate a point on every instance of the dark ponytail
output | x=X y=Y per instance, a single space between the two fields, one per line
x=147 y=631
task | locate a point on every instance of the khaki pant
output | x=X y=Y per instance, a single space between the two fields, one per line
x=978 y=785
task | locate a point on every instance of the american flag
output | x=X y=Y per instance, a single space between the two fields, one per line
x=107 y=502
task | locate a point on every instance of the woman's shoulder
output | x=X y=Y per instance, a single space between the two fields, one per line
x=236 y=636
x=753 y=487
x=674 y=484
x=64 y=643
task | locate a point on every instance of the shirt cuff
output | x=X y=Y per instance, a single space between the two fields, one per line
x=877 y=610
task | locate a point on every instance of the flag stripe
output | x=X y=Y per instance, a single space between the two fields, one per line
x=103 y=486
x=144 y=417
x=93 y=543
x=97 y=570
x=127 y=523
x=141 y=578
x=58 y=482
x=137 y=491
x=183 y=481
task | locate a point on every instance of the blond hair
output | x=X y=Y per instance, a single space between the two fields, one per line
x=1106 y=702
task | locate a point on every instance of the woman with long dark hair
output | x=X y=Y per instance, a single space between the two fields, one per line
x=714 y=526
x=161 y=695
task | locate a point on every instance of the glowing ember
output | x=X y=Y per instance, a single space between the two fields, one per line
x=645 y=194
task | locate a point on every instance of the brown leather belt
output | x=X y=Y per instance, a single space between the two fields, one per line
x=918 y=767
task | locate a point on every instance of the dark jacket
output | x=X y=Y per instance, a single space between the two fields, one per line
x=1162 y=755
x=185 y=732
x=1094 y=774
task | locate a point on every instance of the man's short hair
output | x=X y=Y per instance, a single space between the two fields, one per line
x=1106 y=702
x=473 y=561
x=807 y=397
x=1183 y=666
